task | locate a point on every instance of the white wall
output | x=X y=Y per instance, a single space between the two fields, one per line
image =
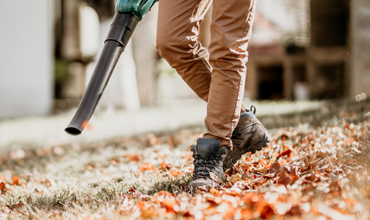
x=26 y=72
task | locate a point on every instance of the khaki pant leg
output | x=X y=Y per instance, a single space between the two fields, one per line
x=177 y=41
x=230 y=33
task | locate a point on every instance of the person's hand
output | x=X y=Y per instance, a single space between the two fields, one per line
x=138 y=7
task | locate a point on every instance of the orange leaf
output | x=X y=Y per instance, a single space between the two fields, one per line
x=140 y=204
x=350 y=140
x=282 y=162
x=265 y=210
x=163 y=165
x=175 y=173
x=15 y=180
x=214 y=192
x=2 y=185
x=135 y=158
x=39 y=191
x=49 y=182
x=164 y=194
x=230 y=212
x=148 y=166
x=285 y=153
x=3 y=188
x=170 y=205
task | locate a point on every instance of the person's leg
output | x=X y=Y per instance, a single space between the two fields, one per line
x=177 y=42
x=230 y=33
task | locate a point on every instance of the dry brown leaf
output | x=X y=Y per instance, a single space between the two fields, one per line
x=3 y=188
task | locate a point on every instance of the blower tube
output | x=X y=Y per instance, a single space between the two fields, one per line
x=119 y=34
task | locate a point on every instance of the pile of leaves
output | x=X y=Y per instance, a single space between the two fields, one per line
x=305 y=172
x=302 y=173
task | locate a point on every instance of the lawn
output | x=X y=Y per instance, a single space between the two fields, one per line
x=310 y=170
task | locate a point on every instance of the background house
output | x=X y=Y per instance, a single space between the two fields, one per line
x=324 y=57
x=300 y=49
x=26 y=58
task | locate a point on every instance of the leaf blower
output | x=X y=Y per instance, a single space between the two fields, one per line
x=128 y=14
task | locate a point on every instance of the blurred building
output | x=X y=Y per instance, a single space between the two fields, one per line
x=328 y=62
x=300 y=49
x=26 y=58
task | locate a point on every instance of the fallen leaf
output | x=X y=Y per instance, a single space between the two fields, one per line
x=176 y=173
x=135 y=158
x=163 y=165
x=15 y=180
x=170 y=205
x=148 y=166
x=3 y=188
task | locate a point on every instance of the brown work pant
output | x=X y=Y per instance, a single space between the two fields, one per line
x=216 y=75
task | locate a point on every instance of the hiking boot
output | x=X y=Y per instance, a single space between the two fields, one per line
x=208 y=164
x=248 y=136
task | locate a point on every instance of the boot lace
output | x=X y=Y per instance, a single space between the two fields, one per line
x=237 y=133
x=203 y=166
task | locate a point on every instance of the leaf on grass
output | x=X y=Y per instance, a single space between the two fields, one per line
x=15 y=180
x=49 y=182
x=135 y=158
x=148 y=166
x=39 y=191
x=214 y=192
x=140 y=204
x=170 y=205
x=163 y=165
x=176 y=173
x=275 y=167
x=284 y=178
x=164 y=194
x=282 y=162
x=265 y=210
x=55 y=214
x=3 y=188
x=285 y=153
x=17 y=206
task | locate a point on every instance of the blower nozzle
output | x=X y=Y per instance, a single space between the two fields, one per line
x=119 y=34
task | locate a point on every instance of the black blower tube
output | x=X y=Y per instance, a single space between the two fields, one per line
x=119 y=34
